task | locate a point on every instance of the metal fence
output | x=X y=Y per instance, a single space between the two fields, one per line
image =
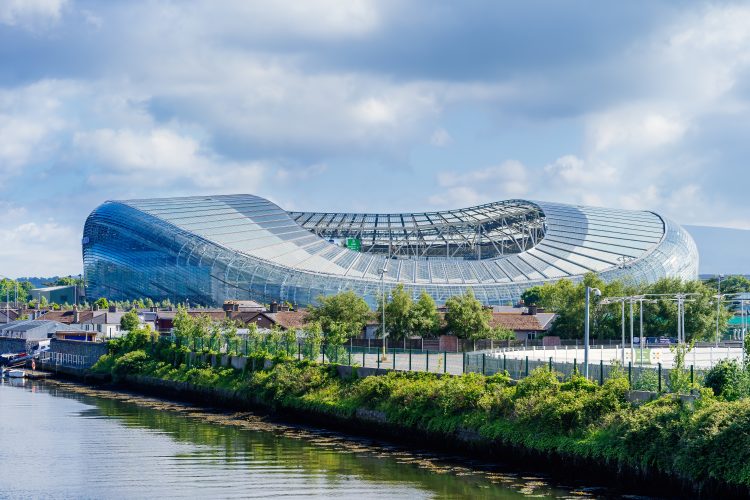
x=656 y=378
x=488 y=362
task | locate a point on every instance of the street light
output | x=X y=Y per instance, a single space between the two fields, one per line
x=718 y=307
x=382 y=290
x=597 y=293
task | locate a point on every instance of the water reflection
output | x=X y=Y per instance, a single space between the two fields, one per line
x=63 y=441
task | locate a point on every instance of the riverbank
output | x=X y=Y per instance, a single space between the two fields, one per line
x=675 y=445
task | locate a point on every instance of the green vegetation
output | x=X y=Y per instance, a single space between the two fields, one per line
x=129 y=321
x=404 y=317
x=466 y=317
x=341 y=316
x=699 y=443
x=660 y=318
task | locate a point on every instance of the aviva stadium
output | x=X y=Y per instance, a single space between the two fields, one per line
x=209 y=249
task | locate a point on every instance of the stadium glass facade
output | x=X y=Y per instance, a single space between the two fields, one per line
x=209 y=249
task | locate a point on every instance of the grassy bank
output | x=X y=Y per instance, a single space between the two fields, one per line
x=702 y=445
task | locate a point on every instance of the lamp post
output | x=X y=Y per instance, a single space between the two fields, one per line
x=718 y=307
x=382 y=290
x=597 y=293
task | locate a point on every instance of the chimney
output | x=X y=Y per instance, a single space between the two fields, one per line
x=113 y=309
x=532 y=309
x=76 y=315
x=274 y=306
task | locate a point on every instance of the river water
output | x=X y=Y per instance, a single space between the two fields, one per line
x=62 y=440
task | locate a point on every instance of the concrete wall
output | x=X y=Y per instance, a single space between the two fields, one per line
x=93 y=350
x=14 y=345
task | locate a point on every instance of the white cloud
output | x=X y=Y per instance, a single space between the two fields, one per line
x=37 y=248
x=160 y=158
x=30 y=14
x=29 y=121
x=507 y=180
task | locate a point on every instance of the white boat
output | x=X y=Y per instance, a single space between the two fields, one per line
x=16 y=373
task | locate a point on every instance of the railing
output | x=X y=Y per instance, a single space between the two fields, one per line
x=64 y=359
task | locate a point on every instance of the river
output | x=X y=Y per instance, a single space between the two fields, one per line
x=62 y=440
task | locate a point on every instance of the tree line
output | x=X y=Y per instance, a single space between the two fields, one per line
x=567 y=300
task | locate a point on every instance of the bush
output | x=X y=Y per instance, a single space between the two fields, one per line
x=728 y=380
x=132 y=362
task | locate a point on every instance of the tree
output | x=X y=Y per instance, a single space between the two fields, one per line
x=398 y=313
x=466 y=317
x=69 y=281
x=102 y=303
x=425 y=319
x=313 y=340
x=733 y=283
x=567 y=299
x=532 y=296
x=130 y=321
x=346 y=310
x=501 y=333
x=183 y=324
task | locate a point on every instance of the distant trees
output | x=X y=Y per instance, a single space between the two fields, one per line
x=566 y=299
x=425 y=320
x=404 y=317
x=8 y=289
x=340 y=316
x=466 y=317
x=101 y=303
x=130 y=321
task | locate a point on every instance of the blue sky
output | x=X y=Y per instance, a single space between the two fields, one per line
x=369 y=106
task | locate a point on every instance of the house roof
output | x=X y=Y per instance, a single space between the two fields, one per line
x=32 y=324
x=214 y=314
x=289 y=319
x=285 y=319
x=522 y=322
x=67 y=317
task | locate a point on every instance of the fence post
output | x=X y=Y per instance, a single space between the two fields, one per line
x=527 y=366
x=463 y=362
x=601 y=372
x=299 y=352
x=363 y=358
x=692 y=375
x=409 y=359
x=484 y=357
x=445 y=361
x=550 y=363
x=659 y=377
x=630 y=373
x=575 y=366
x=427 y=359
x=350 y=354
x=394 y=358
x=505 y=369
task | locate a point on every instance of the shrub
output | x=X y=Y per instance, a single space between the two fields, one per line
x=132 y=362
x=727 y=379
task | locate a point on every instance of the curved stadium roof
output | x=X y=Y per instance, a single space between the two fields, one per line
x=208 y=249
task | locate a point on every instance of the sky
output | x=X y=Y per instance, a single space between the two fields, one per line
x=374 y=106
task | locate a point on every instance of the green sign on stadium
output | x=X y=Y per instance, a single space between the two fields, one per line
x=354 y=244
